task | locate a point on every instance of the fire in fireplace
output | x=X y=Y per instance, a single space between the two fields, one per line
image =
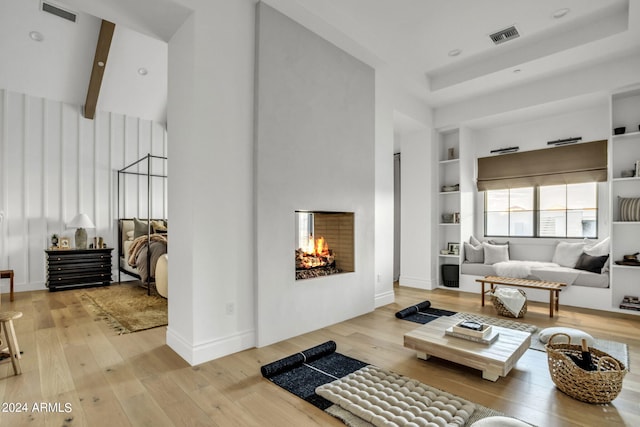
x=332 y=252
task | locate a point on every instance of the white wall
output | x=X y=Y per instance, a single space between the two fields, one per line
x=56 y=164
x=210 y=118
x=416 y=213
x=384 y=193
x=315 y=140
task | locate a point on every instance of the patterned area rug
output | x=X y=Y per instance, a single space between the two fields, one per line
x=616 y=349
x=127 y=308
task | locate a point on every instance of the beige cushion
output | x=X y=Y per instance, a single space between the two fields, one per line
x=162 y=276
x=576 y=335
x=495 y=253
x=499 y=421
x=567 y=254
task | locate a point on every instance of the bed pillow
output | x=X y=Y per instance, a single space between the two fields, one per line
x=130 y=235
x=158 y=227
x=474 y=242
x=598 y=249
x=139 y=228
x=629 y=208
x=495 y=253
x=594 y=264
x=473 y=254
x=567 y=254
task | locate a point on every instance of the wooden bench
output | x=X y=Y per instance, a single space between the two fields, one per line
x=554 y=288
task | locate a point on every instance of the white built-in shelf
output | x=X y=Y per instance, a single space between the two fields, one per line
x=627 y=267
x=626 y=222
x=450 y=192
x=449 y=223
x=625 y=135
x=449 y=256
x=451 y=161
x=632 y=178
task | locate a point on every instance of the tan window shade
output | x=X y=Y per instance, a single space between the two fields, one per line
x=569 y=164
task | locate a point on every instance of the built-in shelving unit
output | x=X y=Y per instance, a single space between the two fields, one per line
x=624 y=153
x=448 y=203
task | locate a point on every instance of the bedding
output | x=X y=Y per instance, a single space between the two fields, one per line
x=140 y=250
x=133 y=249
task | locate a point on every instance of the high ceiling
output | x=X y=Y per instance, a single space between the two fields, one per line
x=413 y=39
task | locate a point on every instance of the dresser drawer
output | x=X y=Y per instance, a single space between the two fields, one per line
x=78 y=268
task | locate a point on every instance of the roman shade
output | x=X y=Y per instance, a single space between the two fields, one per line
x=569 y=164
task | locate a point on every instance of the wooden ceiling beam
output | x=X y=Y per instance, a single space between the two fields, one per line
x=97 y=72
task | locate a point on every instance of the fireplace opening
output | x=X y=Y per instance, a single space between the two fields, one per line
x=324 y=243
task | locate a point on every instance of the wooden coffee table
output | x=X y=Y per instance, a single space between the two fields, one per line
x=494 y=360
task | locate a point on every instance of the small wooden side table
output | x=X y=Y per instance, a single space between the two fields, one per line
x=8 y=274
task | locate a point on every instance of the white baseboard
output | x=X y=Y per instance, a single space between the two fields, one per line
x=385 y=298
x=414 y=282
x=209 y=350
x=22 y=287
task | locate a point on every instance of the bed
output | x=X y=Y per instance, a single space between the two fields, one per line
x=138 y=253
x=142 y=224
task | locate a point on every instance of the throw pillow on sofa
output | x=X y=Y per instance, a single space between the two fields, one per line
x=473 y=254
x=495 y=253
x=597 y=249
x=567 y=254
x=594 y=264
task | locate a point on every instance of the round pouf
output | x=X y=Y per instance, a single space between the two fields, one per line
x=576 y=335
x=499 y=421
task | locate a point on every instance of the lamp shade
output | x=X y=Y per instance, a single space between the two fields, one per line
x=81 y=221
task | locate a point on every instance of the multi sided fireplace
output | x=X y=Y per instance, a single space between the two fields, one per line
x=324 y=243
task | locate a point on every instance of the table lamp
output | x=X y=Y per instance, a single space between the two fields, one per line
x=80 y=222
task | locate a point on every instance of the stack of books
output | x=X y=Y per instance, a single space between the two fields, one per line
x=473 y=331
x=630 y=303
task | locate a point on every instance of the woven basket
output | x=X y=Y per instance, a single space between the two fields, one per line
x=601 y=386
x=503 y=311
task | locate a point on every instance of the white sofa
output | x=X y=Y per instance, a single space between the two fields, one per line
x=551 y=261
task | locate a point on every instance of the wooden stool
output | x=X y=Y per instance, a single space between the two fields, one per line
x=8 y=274
x=6 y=323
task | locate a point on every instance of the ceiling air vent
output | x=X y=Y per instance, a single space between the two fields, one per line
x=505 y=35
x=55 y=10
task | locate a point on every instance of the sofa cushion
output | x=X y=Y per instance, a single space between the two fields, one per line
x=473 y=254
x=594 y=264
x=567 y=254
x=576 y=335
x=597 y=249
x=495 y=253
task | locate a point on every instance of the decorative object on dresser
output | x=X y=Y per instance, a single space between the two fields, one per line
x=80 y=223
x=73 y=268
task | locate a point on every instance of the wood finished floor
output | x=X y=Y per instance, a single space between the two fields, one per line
x=135 y=379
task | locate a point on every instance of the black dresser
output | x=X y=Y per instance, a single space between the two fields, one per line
x=73 y=268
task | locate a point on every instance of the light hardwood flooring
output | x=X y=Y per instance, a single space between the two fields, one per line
x=105 y=379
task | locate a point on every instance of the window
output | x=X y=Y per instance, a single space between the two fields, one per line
x=563 y=211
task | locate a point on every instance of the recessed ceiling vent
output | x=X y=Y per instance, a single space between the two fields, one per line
x=505 y=35
x=55 y=10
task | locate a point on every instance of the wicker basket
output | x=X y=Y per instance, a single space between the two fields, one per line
x=601 y=386
x=503 y=311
